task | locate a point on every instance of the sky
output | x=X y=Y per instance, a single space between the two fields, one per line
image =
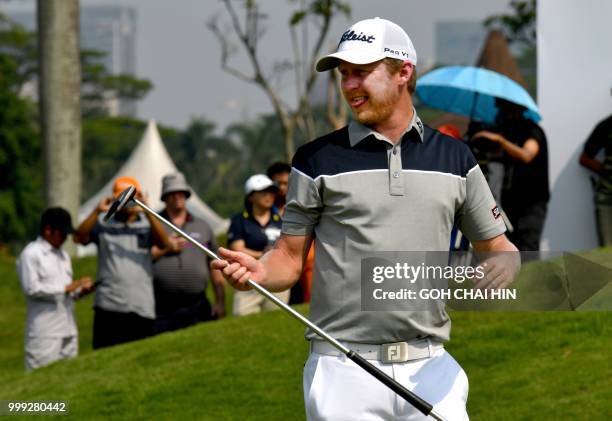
x=181 y=56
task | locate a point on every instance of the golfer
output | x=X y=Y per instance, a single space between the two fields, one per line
x=385 y=182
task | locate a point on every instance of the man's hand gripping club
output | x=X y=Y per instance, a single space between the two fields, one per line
x=237 y=268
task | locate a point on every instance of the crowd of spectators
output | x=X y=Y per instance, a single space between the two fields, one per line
x=149 y=279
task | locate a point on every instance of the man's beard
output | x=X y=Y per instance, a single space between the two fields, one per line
x=378 y=111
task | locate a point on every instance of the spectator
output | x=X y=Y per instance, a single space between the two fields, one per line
x=489 y=155
x=253 y=232
x=180 y=275
x=520 y=145
x=279 y=174
x=450 y=130
x=601 y=138
x=124 y=308
x=45 y=274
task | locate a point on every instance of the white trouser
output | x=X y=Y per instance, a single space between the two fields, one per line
x=43 y=351
x=251 y=301
x=335 y=388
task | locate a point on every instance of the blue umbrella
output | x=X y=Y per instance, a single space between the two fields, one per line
x=471 y=91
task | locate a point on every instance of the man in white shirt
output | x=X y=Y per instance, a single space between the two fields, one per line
x=45 y=274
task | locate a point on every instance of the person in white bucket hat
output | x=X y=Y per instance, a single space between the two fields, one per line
x=385 y=182
x=180 y=275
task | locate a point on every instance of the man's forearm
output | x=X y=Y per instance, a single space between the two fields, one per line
x=157 y=252
x=282 y=270
x=591 y=163
x=219 y=291
x=522 y=154
x=277 y=270
x=81 y=234
x=160 y=238
x=218 y=284
x=496 y=244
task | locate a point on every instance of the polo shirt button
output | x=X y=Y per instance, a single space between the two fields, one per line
x=396 y=174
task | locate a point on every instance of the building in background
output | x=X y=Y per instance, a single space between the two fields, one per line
x=109 y=29
x=570 y=107
x=112 y=29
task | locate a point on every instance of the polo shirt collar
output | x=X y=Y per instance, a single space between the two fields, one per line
x=46 y=246
x=164 y=213
x=275 y=217
x=357 y=131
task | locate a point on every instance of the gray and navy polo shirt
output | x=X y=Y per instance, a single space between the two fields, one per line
x=125 y=266
x=356 y=192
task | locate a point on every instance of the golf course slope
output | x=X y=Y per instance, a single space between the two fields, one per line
x=521 y=366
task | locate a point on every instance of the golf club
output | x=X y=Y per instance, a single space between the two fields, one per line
x=425 y=407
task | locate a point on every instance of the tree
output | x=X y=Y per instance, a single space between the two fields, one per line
x=59 y=100
x=20 y=179
x=20 y=46
x=212 y=163
x=98 y=85
x=519 y=27
x=249 y=33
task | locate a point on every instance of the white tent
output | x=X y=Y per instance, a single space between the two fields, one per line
x=148 y=163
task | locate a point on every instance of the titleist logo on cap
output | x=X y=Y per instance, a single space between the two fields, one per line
x=350 y=35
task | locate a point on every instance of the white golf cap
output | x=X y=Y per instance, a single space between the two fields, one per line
x=258 y=182
x=368 y=41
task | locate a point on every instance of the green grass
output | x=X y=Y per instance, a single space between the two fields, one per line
x=521 y=366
